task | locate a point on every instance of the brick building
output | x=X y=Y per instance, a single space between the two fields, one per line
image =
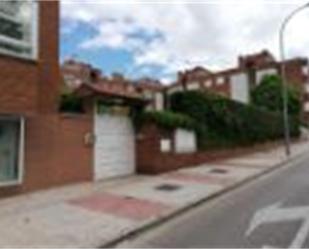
x=235 y=83
x=75 y=73
x=38 y=146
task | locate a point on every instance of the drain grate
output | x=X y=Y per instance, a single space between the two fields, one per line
x=218 y=171
x=168 y=187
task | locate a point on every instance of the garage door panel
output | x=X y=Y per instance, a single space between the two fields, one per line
x=115 y=146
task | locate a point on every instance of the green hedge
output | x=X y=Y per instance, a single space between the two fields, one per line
x=165 y=119
x=224 y=122
x=268 y=95
x=70 y=103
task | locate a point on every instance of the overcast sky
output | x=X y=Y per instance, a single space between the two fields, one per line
x=158 y=38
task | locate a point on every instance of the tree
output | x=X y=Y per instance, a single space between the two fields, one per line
x=268 y=95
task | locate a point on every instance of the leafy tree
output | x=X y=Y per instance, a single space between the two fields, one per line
x=268 y=95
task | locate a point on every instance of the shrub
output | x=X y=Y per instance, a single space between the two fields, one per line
x=165 y=119
x=268 y=95
x=225 y=122
x=70 y=103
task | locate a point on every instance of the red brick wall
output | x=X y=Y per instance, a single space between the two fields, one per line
x=55 y=152
x=49 y=69
x=18 y=86
x=29 y=86
x=150 y=160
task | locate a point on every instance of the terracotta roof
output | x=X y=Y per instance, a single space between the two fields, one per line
x=99 y=89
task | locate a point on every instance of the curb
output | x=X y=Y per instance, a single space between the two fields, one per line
x=182 y=210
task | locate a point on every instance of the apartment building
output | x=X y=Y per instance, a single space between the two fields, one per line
x=236 y=82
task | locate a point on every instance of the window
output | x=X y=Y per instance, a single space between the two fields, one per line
x=159 y=101
x=208 y=83
x=193 y=86
x=11 y=150
x=18 y=28
x=220 y=81
x=165 y=145
x=307 y=88
x=305 y=70
x=306 y=107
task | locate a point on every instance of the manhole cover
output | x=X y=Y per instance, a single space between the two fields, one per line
x=167 y=187
x=218 y=171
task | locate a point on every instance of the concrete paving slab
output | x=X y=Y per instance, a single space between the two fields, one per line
x=200 y=179
x=187 y=192
x=254 y=161
x=237 y=173
x=60 y=225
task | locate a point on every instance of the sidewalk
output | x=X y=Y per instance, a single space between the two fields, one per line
x=95 y=214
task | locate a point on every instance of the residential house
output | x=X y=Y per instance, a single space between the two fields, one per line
x=235 y=83
x=111 y=102
x=76 y=72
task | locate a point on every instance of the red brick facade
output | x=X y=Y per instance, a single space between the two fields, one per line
x=32 y=86
x=55 y=151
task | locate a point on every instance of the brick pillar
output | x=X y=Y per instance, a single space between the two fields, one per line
x=48 y=56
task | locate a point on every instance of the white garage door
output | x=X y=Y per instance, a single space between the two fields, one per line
x=114 y=147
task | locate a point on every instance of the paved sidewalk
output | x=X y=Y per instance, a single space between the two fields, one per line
x=94 y=214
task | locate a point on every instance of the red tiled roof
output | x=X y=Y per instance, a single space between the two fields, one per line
x=99 y=89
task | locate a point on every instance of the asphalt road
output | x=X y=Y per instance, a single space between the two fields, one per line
x=272 y=211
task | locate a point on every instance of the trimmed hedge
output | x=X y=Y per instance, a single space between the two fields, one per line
x=165 y=119
x=224 y=122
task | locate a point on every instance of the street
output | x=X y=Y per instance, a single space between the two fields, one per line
x=272 y=211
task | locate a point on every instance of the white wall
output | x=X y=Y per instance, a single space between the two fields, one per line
x=240 y=87
x=185 y=141
x=220 y=81
x=261 y=73
x=175 y=89
x=193 y=86
x=159 y=101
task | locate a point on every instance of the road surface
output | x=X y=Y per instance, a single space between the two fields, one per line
x=270 y=212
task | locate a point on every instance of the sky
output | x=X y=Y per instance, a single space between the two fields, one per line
x=143 y=38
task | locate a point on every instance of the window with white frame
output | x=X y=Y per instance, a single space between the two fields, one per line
x=18 y=28
x=11 y=150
